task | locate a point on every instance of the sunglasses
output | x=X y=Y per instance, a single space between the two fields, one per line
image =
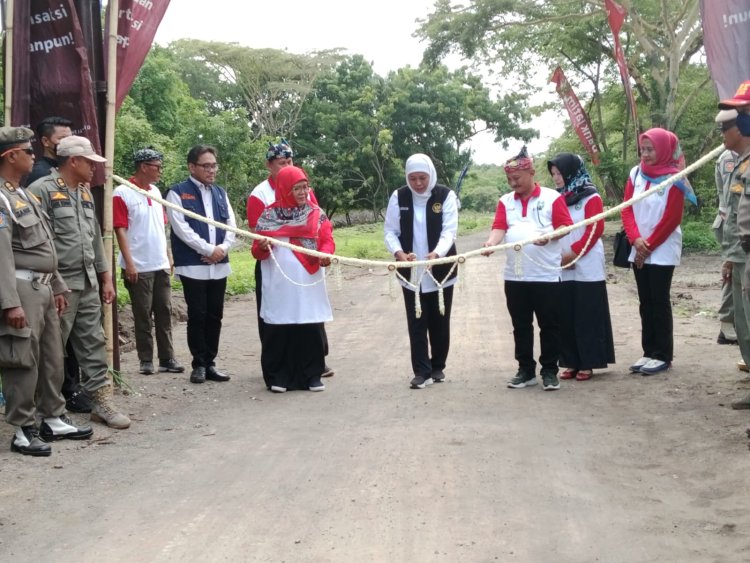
x=27 y=150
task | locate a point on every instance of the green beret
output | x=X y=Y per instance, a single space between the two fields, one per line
x=10 y=136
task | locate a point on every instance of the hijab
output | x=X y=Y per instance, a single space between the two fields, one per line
x=421 y=163
x=286 y=218
x=578 y=184
x=669 y=161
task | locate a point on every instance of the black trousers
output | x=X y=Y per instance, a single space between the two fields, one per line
x=292 y=355
x=205 y=305
x=72 y=379
x=524 y=300
x=429 y=335
x=654 y=284
x=259 y=297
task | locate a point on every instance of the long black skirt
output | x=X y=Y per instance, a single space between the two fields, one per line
x=586 y=340
x=292 y=355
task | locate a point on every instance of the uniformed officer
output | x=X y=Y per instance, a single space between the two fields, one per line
x=32 y=295
x=725 y=119
x=66 y=197
x=739 y=140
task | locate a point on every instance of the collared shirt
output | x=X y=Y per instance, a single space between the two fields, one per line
x=181 y=228
x=78 y=237
x=26 y=242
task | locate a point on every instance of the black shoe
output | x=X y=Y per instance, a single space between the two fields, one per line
x=723 y=339
x=438 y=376
x=327 y=371
x=171 y=365
x=31 y=444
x=147 y=368
x=198 y=375
x=214 y=375
x=79 y=402
x=61 y=427
x=316 y=385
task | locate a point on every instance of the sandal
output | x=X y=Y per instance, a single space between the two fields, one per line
x=584 y=375
x=569 y=373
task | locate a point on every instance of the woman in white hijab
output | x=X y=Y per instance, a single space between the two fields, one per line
x=420 y=224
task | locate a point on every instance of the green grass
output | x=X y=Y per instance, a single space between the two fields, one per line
x=362 y=241
x=698 y=236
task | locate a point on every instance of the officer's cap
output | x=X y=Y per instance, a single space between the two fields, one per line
x=78 y=146
x=10 y=136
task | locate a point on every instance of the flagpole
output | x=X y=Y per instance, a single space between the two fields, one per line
x=109 y=154
x=8 y=61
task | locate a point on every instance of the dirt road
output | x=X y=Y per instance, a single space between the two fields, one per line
x=621 y=468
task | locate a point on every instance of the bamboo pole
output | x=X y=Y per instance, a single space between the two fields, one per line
x=8 y=61
x=110 y=330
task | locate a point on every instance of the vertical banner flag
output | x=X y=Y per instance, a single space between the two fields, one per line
x=51 y=70
x=50 y=66
x=726 y=38
x=137 y=23
x=616 y=17
x=581 y=121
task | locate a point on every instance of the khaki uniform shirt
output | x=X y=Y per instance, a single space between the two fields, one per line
x=731 y=250
x=722 y=176
x=26 y=242
x=78 y=237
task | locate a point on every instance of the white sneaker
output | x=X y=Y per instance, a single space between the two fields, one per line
x=728 y=330
x=278 y=389
x=654 y=366
x=636 y=367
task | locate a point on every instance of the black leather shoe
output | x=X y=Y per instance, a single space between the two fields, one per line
x=78 y=402
x=32 y=445
x=198 y=375
x=63 y=428
x=214 y=375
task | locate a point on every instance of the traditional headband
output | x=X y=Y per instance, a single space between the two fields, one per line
x=279 y=150
x=144 y=155
x=522 y=161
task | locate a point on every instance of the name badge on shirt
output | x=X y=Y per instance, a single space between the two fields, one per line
x=187 y=196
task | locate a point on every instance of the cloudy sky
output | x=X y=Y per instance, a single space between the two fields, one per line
x=381 y=31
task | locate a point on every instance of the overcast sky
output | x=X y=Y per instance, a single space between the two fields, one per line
x=381 y=31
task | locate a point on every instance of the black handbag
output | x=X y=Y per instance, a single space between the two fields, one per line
x=622 y=250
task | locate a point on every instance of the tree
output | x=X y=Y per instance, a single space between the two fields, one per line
x=273 y=84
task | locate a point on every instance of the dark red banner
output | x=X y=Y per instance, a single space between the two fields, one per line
x=726 y=38
x=137 y=23
x=578 y=117
x=616 y=17
x=50 y=69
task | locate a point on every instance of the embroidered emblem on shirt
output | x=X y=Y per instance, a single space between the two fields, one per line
x=437 y=207
x=85 y=196
x=736 y=188
x=20 y=205
x=540 y=205
x=10 y=187
x=60 y=182
x=58 y=195
x=3 y=221
x=187 y=196
x=728 y=166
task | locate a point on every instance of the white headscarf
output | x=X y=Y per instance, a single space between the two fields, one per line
x=421 y=163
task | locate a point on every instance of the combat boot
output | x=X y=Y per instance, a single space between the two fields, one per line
x=742 y=404
x=104 y=410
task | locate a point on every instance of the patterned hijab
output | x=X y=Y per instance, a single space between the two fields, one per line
x=285 y=218
x=578 y=184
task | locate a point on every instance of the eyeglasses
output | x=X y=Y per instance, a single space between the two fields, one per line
x=726 y=126
x=208 y=166
x=301 y=189
x=157 y=166
x=27 y=150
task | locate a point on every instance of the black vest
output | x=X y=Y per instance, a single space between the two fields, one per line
x=434 y=220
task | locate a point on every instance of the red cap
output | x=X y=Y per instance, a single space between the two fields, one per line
x=741 y=97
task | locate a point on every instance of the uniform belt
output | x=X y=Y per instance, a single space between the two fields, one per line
x=31 y=275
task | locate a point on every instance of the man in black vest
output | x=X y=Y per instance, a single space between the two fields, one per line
x=201 y=257
x=421 y=224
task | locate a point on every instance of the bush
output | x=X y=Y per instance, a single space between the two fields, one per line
x=698 y=236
